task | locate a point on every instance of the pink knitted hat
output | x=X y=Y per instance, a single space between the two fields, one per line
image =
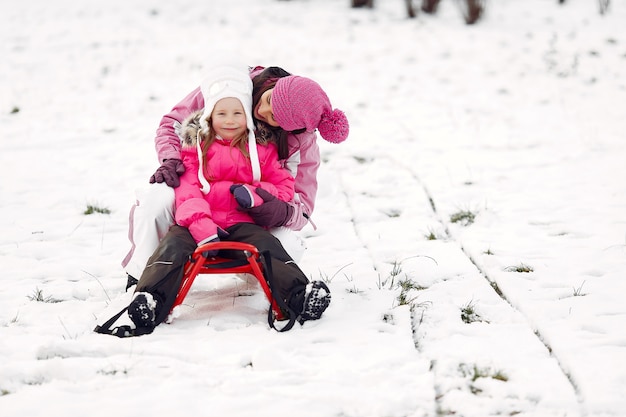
x=298 y=102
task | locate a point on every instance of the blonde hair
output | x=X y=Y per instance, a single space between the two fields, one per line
x=207 y=138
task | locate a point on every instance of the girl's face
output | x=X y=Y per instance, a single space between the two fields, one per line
x=263 y=110
x=228 y=118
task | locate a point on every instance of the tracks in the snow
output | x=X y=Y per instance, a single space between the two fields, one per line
x=492 y=283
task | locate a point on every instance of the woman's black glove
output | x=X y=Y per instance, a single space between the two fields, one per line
x=168 y=172
x=272 y=213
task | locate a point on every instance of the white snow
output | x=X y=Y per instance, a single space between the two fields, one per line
x=518 y=120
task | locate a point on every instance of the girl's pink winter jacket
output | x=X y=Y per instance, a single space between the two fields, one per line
x=303 y=161
x=225 y=166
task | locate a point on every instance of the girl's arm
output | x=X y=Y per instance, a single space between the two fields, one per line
x=192 y=210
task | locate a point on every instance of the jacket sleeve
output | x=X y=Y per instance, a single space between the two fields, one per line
x=167 y=141
x=303 y=163
x=274 y=178
x=192 y=210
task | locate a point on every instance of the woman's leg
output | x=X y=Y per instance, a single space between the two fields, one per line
x=293 y=244
x=150 y=219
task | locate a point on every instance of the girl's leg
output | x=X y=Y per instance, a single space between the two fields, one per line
x=150 y=219
x=163 y=274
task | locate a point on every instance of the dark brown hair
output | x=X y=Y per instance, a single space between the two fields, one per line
x=266 y=80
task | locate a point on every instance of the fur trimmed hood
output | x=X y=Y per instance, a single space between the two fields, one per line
x=190 y=129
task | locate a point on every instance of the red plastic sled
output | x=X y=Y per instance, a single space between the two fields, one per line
x=250 y=263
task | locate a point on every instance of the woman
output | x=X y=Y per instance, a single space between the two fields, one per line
x=287 y=110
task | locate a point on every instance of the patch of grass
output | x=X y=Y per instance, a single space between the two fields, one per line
x=15 y=109
x=328 y=279
x=463 y=217
x=390 y=281
x=488 y=252
x=431 y=235
x=522 y=267
x=473 y=373
x=393 y=213
x=91 y=209
x=404 y=299
x=578 y=292
x=408 y=285
x=354 y=290
x=113 y=371
x=396 y=271
x=469 y=314
x=405 y=286
x=39 y=297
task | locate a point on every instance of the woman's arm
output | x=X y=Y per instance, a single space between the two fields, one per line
x=303 y=163
x=167 y=141
x=274 y=178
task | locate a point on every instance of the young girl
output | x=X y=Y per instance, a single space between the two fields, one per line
x=287 y=110
x=225 y=170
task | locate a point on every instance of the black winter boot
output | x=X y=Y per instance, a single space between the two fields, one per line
x=142 y=310
x=316 y=300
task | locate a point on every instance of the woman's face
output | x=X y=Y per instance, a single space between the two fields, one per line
x=263 y=110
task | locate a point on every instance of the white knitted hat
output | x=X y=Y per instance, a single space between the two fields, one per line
x=227 y=81
x=231 y=80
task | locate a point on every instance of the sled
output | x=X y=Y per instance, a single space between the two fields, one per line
x=246 y=260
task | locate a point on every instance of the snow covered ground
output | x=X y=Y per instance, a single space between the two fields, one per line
x=472 y=229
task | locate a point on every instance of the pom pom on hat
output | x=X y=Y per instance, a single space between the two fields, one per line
x=334 y=126
x=299 y=102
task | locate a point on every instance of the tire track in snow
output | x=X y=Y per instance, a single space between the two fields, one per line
x=493 y=284
x=386 y=213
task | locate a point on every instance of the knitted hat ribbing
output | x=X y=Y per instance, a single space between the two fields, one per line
x=299 y=102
